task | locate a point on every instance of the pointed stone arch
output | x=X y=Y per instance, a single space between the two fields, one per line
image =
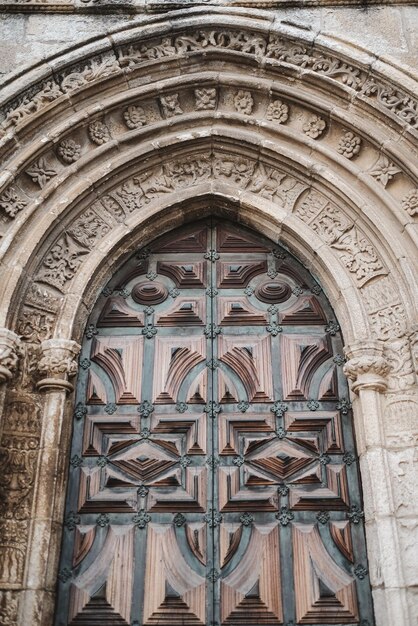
x=310 y=143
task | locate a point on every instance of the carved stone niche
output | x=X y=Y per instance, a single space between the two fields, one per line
x=366 y=367
x=9 y=354
x=58 y=363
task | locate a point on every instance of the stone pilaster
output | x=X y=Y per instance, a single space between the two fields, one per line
x=368 y=371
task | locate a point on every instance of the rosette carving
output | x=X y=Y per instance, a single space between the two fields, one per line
x=9 y=354
x=366 y=367
x=58 y=364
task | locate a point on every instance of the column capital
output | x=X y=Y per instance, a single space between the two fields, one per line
x=9 y=354
x=366 y=367
x=58 y=363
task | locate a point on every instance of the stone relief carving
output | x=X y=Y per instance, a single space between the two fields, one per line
x=400 y=422
x=340 y=233
x=62 y=262
x=366 y=367
x=328 y=221
x=91 y=71
x=170 y=105
x=134 y=116
x=409 y=202
x=18 y=456
x=99 y=132
x=69 y=151
x=243 y=102
x=384 y=170
x=11 y=202
x=314 y=126
x=40 y=172
x=89 y=228
x=399 y=357
x=349 y=145
x=275 y=48
x=205 y=99
x=58 y=363
x=8 y=608
x=278 y=112
x=9 y=354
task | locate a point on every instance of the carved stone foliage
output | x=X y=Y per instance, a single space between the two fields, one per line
x=18 y=457
x=67 y=254
x=366 y=366
x=386 y=312
x=340 y=233
x=9 y=354
x=57 y=364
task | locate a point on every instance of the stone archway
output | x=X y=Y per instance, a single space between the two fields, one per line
x=305 y=144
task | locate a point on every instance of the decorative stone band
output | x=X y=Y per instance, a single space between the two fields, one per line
x=9 y=354
x=58 y=363
x=413 y=339
x=366 y=367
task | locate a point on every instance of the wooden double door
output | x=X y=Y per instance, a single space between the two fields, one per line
x=213 y=476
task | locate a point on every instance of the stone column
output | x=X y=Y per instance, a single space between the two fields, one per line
x=57 y=364
x=368 y=369
x=9 y=354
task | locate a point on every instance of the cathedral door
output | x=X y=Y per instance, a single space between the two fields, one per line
x=213 y=474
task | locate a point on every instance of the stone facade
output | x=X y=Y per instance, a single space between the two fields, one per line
x=298 y=122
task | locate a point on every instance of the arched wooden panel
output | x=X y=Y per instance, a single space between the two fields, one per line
x=213 y=476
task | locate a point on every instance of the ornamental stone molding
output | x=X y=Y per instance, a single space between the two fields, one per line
x=366 y=367
x=306 y=138
x=9 y=354
x=58 y=363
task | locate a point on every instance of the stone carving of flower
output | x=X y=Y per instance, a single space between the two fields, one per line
x=99 y=132
x=205 y=99
x=384 y=170
x=134 y=116
x=171 y=105
x=11 y=202
x=349 y=145
x=69 y=150
x=410 y=202
x=314 y=127
x=243 y=102
x=278 y=112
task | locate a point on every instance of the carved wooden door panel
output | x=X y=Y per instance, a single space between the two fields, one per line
x=213 y=477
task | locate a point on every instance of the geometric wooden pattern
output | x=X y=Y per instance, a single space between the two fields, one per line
x=249 y=358
x=251 y=591
x=324 y=591
x=301 y=357
x=213 y=467
x=174 y=359
x=175 y=594
x=121 y=359
x=104 y=590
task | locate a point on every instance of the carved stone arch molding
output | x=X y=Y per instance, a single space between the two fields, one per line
x=205 y=111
